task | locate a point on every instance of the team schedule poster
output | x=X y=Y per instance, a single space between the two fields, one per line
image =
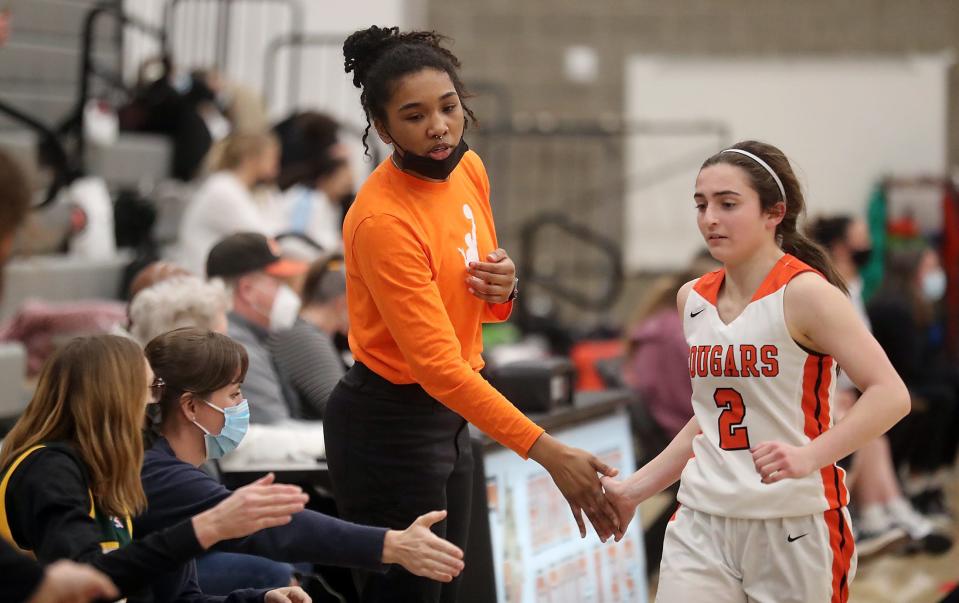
x=538 y=555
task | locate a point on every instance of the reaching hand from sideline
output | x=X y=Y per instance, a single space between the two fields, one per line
x=422 y=552
x=289 y=594
x=68 y=582
x=575 y=473
x=250 y=509
x=617 y=495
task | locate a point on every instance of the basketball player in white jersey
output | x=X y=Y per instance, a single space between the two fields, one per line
x=762 y=515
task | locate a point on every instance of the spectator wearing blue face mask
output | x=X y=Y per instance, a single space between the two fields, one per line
x=70 y=477
x=203 y=415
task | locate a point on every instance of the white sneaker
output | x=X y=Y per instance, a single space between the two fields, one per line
x=876 y=533
x=925 y=536
x=903 y=515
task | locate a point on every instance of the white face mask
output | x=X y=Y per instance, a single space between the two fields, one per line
x=934 y=285
x=285 y=309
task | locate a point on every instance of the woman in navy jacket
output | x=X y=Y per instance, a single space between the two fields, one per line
x=202 y=372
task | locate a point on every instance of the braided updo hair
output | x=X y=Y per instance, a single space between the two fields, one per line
x=379 y=56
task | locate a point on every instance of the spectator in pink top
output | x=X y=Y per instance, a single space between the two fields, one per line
x=657 y=356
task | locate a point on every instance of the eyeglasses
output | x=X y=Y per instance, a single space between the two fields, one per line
x=156 y=390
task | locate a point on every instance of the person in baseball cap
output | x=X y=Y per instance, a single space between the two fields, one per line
x=256 y=273
x=247 y=252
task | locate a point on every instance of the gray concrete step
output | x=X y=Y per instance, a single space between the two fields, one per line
x=22 y=144
x=49 y=107
x=48 y=17
x=28 y=62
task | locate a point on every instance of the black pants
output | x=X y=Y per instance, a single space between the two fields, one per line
x=394 y=454
x=926 y=438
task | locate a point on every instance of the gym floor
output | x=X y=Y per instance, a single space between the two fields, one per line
x=909 y=579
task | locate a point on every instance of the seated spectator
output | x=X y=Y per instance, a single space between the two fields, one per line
x=22 y=578
x=885 y=517
x=180 y=301
x=240 y=104
x=204 y=417
x=158 y=107
x=263 y=305
x=657 y=355
x=202 y=92
x=187 y=301
x=70 y=474
x=154 y=273
x=315 y=178
x=903 y=315
x=306 y=356
x=224 y=203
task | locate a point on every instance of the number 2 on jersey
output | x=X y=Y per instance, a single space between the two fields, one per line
x=733 y=435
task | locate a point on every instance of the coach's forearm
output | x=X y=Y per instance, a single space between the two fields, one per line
x=880 y=407
x=664 y=470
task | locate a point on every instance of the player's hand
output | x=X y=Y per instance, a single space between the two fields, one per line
x=422 y=552
x=776 y=461
x=574 y=472
x=68 y=582
x=493 y=280
x=289 y=594
x=617 y=495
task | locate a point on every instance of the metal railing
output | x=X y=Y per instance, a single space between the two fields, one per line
x=66 y=160
x=91 y=71
x=559 y=187
x=51 y=150
x=230 y=35
x=325 y=87
x=560 y=191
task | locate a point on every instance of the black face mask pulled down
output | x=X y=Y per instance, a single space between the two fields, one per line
x=436 y=169
x=861 y=257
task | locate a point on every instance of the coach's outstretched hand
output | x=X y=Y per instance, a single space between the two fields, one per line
x=575 y=473
x=422 y=552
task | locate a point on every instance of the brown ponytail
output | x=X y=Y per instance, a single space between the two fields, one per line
x=790 y=238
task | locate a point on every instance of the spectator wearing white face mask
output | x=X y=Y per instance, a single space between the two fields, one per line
x=264 y=305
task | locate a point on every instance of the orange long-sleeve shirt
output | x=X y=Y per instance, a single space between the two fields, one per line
x=407 y=244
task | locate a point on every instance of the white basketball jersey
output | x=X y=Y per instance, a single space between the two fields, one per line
x=752 y=383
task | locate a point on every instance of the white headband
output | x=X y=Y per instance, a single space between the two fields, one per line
x=765 y=165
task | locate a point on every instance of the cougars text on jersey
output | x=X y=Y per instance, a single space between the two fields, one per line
x=733 y=361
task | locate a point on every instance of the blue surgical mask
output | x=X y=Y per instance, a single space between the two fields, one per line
x=237 y=420
x=934 y=285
